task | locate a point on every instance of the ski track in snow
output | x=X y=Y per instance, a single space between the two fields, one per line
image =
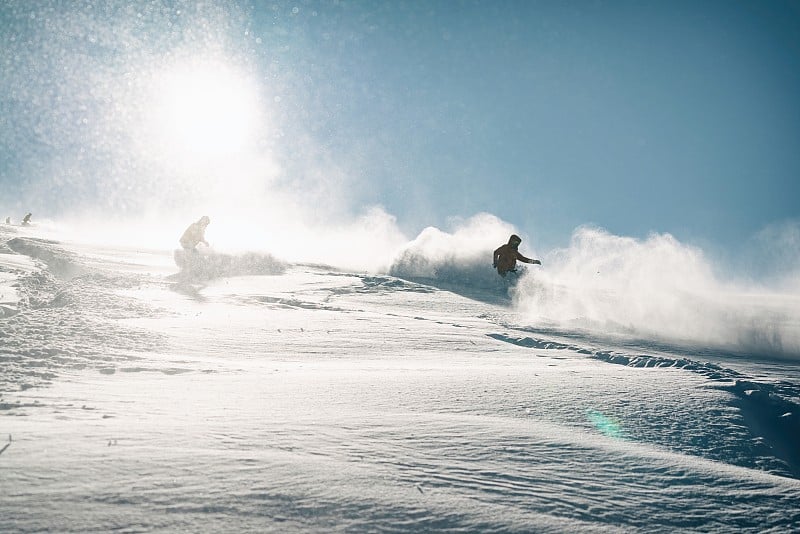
x=310 y=399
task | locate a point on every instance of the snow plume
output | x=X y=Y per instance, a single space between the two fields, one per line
x=463 y=256
x=365 y=243
x=659 y=288
x=776 y=254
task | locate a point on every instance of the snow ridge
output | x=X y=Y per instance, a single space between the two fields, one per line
x=771 y=409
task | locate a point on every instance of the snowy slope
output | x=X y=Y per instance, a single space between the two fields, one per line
x=305 y=398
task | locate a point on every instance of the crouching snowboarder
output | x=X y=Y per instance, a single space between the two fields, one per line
x=195 y=234
x=506 y=256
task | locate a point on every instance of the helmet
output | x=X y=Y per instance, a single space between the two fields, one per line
x=205 y=220
x=514 y=239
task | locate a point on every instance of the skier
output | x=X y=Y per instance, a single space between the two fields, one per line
x=506 y=256
x=26 y=221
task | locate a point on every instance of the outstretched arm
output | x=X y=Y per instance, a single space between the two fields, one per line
x=523 y=259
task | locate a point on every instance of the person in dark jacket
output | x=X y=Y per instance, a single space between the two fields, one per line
x=506 y=257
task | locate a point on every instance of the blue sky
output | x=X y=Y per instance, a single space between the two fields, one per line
x=679 y=117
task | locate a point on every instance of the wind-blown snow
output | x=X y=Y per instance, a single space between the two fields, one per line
x=659 y=288
x=300 y=397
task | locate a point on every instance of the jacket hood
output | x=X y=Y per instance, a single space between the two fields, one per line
x=514 y=240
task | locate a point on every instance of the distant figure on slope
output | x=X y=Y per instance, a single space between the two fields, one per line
x=195 y=234
x=505 y=258
x=26 y=221
x=8 y=220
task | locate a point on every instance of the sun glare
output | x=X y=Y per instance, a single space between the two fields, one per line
x=205 y=110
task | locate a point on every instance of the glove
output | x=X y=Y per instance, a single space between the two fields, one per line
x=536 y=262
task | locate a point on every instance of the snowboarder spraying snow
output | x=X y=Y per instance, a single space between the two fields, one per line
x=26 y=221
x=195 y=234
x=505 y=258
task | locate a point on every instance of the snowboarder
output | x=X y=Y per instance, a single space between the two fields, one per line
x=506 y=256
x=195 y=234
x=26 y=221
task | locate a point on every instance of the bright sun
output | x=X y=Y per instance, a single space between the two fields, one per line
x=205 y=110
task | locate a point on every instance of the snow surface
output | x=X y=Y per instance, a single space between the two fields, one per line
x=304 y=398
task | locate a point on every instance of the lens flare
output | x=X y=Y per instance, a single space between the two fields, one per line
x=605 y=424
